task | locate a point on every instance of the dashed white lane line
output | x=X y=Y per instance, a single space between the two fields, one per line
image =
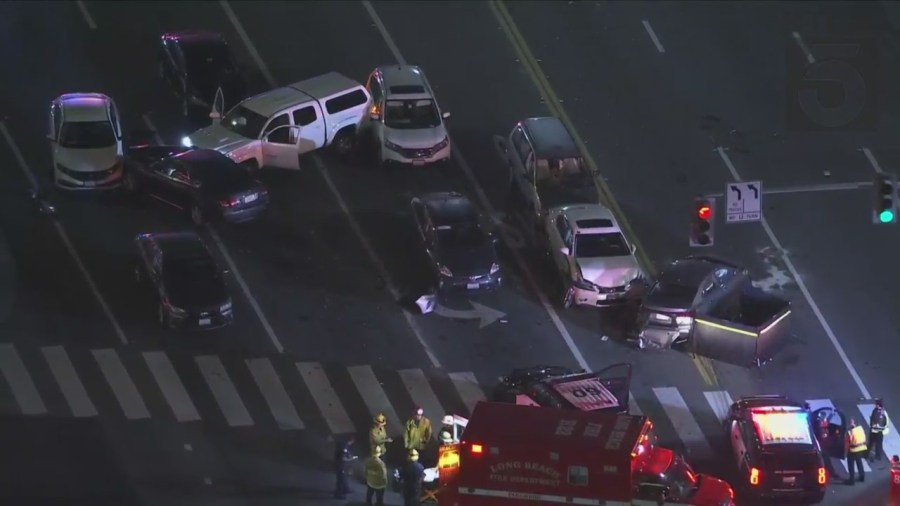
x=653 y=37
x=248 y=43
x=246 y=289
x=482 y=197
x=32 y=180
x=86 y=14
x=800 y=284
x=379 y=265
x=872 y=160
x=152 y=127
x=799 y=40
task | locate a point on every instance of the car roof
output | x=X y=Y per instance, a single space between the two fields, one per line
x=689 y=272
x=84 y=106
x=550 y=138
x=204 y=157
x=178 y=244
x=448 y=207
x=191 y=37
x=404 y=82
x=319 y=88
x=590 y=218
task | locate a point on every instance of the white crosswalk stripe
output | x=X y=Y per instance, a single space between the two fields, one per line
x=467 y=386
x=20 y=383
x=891 y=440
x=423 y=396
x=326 y=398
x=69 y=383
x=684 y=423
x=719 y=401
x=815 y=404
x=373 y=395
x=272 y=390
x=223 y=391
x=121 y=384
x=171 y=387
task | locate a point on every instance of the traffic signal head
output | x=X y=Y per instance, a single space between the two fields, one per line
x=703 y=222
x=885 y=205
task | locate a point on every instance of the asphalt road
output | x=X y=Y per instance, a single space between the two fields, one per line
x=651 y=120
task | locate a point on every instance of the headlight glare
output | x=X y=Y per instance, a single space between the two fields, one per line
x=186 y=142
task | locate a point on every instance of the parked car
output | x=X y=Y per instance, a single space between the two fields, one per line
x=546 y=170
x=405 y=121
x=561 y=387
x=274 y=128
x=195 y=64
x=85 y=136
x=202 y=182
x=774 y=446
x=595 y=262
x=461 y=252
x=188 y=283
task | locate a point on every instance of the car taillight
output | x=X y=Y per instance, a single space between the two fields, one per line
x=229 y=202
x=823 y=477
x=477 y=449
x=754 y=476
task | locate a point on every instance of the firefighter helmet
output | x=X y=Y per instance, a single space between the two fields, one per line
x=446 y=437
x=413 y=454
x=380 y=419
x=447 y=420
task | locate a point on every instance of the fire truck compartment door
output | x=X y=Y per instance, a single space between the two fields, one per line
x=751 y=337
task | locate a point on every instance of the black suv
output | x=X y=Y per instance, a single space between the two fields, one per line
x=187 y=281
x=561 y=387
x=775 y=449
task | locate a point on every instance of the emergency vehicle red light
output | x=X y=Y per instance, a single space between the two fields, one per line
x=754 y=476
x=823 y=478
x=704 y=212
x=477 y=449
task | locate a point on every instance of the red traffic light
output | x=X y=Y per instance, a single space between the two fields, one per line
x=704 y=212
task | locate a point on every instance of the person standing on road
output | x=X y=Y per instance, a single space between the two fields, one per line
x=376 y=478
x=878 y=427
x=418 y=431
x=413 y=480
x=342 y=458
x=378 y=437
x=856 y=451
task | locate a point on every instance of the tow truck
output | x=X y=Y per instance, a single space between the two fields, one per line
x=510 y=454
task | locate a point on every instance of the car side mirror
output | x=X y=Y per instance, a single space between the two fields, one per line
x=564 y=250
x=445 y=115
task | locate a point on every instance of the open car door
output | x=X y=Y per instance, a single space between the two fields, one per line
x=218 y=106
x=617 y=379
x=830 y=426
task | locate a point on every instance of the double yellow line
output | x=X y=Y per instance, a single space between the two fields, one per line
x=551 y=100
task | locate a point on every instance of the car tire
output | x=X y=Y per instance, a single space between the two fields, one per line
x=568 y=296
x=197 y=217
x=344 y=144
x=251 y=166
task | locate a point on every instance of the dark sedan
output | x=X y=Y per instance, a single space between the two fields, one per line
x=202 y=182
x=195 y=65
x=462 y=253
x=187 y=281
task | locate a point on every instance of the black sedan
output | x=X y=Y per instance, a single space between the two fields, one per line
x=186 y=279
x=195 y=65
x=202 y=182
x=462 y=253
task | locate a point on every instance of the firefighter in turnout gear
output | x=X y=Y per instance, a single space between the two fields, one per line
x=413 y=480
x=418 y=431
x=446 y=434
x=856 y=451
x=378 y=437
x=878 y=427
x=376 y=478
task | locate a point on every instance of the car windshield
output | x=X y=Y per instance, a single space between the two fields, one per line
x=244 y=122
x=682 y=480
x=460 y=235
x=87 y=135
x=568 y=172
x=411 y=114
x=210 y=58
x=600 y=245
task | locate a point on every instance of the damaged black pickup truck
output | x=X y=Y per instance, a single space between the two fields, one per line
x=711 y=306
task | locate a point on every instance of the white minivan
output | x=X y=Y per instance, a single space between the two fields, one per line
x=85 y=136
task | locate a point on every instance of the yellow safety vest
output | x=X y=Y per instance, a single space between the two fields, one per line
x=857 y=440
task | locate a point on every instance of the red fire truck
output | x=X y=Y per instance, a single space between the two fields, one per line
x=511 y=455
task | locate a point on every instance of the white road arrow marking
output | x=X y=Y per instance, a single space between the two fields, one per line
x=485 y=314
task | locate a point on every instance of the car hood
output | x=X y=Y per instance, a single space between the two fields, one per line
x=609 y=272
x=418 y=138
x=87 y=160
x=666 y=302
x=219 y=138
x=196 y=294
x=475 y=261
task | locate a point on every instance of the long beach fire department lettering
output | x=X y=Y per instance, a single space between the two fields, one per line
x=618 y=434
x=530 y=473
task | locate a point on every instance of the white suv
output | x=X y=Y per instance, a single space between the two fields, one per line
x=86 y=142
x=405 y=121
x=596 y=263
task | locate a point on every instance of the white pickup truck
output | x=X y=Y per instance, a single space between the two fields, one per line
x=274 y=128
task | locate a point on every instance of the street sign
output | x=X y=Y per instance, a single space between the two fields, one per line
x=743 y=202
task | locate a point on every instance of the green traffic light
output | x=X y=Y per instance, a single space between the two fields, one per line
x=886 y=216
